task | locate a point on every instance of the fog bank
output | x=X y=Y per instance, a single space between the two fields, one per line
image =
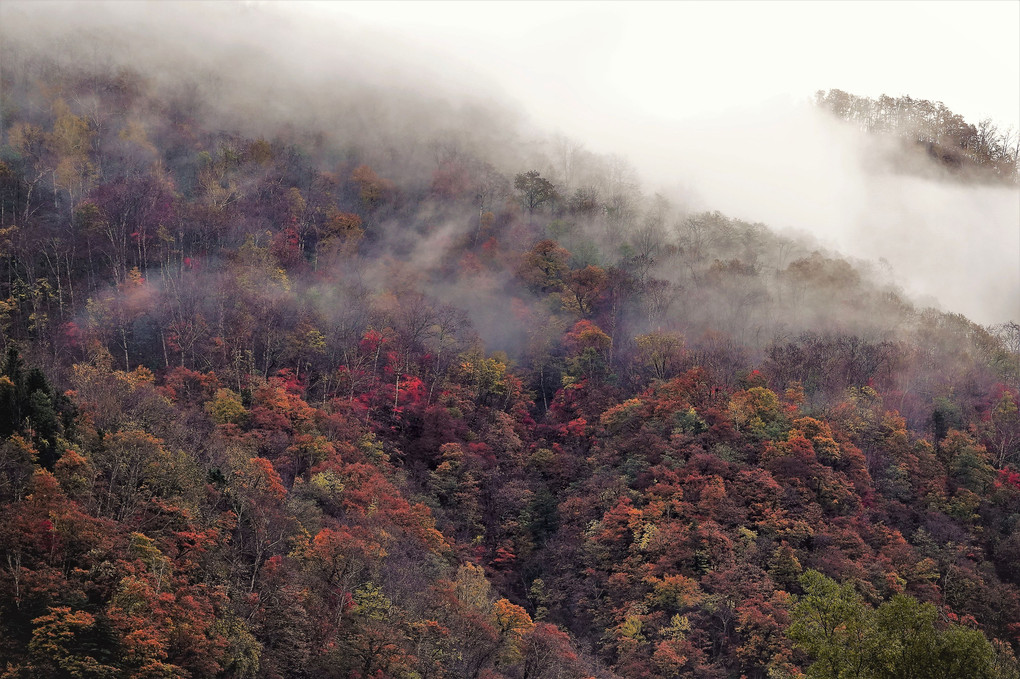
x=950 y=243
x=779 y=161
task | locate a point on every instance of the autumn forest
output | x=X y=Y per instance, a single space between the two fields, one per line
x=453 y=399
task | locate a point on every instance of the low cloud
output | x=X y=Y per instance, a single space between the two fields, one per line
x=784 y=163
x=950 y=242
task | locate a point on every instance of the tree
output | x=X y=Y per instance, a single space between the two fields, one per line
x=136 y=467
x=258 y=493
x=372 y=189
x=588 y=348
x=545 y=266
x=548 y=655
x=1001 y=428
x=535 y=189
x=833 y=626
x=661 y=352
x=585 y=286
x=341 y=231
x=908 y=645
x=900 y=640
x=66 y=643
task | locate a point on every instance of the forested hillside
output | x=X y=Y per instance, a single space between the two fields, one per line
x=454 y=400
x=982 y=151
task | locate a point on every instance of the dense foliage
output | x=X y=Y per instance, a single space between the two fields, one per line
x=278 y=406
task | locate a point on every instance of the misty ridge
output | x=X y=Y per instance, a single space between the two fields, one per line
x=401 y=178
x=852 y=183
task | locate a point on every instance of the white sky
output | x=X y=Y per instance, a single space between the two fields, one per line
x=579 y=65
